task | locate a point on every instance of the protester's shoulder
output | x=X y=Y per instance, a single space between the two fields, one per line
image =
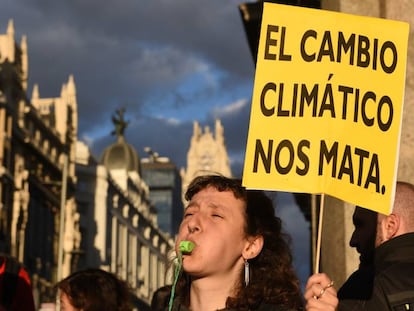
x=397 y=271
x=397 y=281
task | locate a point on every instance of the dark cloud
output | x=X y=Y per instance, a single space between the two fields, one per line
x=168 y=63
x=123 y=52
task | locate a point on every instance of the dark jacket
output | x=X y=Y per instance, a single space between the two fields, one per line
x=393 y=286
x=359 y=285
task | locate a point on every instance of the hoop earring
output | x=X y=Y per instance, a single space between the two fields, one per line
x=246 y=273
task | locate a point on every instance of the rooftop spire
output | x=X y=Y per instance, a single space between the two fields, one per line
x=10 y=28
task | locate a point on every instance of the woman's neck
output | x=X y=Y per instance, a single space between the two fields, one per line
x=208 y=294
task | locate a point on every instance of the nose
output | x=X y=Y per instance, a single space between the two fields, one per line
x=194 y=225
x=193 y=229
x=353 y=242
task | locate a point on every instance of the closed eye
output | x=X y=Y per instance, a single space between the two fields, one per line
x=217 y=215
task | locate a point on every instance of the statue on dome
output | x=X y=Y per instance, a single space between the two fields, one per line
x=119 y=122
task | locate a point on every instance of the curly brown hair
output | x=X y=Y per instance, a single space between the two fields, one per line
x=96 y=290
x=273 y=280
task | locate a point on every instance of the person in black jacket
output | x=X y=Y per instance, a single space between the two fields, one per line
x=241 y=259
x=359 y=284
x=393 y=283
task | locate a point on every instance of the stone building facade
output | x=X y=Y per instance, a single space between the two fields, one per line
x=207 y=154
x=118 y=221
x=61 y=210
x=37 y=139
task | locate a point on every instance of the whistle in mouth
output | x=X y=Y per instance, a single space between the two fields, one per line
x=186 y=246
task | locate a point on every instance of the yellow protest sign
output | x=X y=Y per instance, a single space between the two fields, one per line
x=327 y=105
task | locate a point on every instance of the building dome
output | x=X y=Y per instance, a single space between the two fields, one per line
x=121 y=155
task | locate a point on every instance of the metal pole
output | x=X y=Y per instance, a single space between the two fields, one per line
x=61 y=225
x=62 y=217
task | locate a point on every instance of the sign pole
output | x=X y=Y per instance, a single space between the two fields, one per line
x=318 y=240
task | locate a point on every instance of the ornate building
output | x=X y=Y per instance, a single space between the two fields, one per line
x=37 y=157
x=119 y=225
x=207 y=154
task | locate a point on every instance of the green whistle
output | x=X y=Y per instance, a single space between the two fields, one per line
x=186 y=246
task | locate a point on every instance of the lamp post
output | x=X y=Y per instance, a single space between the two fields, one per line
x=62 y=223
x=62 y=216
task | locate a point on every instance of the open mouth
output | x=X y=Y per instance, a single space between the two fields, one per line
x=186 y=247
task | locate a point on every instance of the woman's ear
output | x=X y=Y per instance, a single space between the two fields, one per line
x=253 y=247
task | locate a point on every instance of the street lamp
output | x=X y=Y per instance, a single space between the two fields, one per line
x=62 y=223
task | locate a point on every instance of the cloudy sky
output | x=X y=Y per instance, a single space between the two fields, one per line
x=168 y=63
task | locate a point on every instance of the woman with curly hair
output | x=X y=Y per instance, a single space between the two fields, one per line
x=240 y=258
x=94 y=290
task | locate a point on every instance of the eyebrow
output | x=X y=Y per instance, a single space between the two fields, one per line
x=191 y=204
x=210 y=205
